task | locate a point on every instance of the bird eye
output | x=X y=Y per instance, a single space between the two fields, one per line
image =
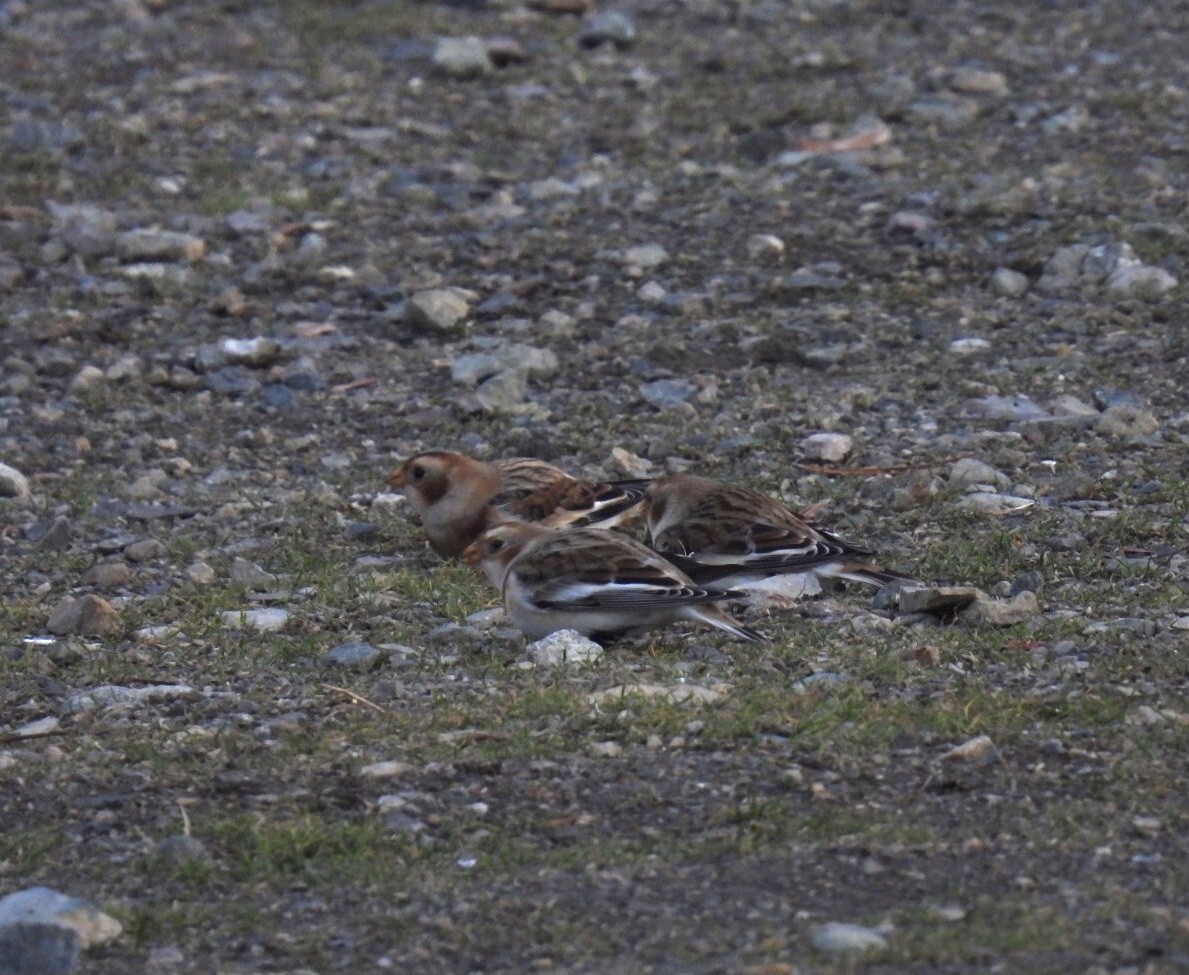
x=418 y=472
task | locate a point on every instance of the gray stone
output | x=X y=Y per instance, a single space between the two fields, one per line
x=108 y=575
x=440 y=310
x=201 y=573
x=1140 y=280
x=534 y=362
x=181 y=849
x=564 y=647
x=13 y=484
x=1069 y=405
x=968 y=471
x=144 y=550
x=977 y=81
x=57 y=535
x=1102 y=259
x=667 y=393
x=312 y=248
x=813 y=279
x=608 y=27
x=937 y=599
x=86 y=616
x=1072 y=542
x=231 y=381
x=251 y=576
x=829 y=447
x=986 y=611
x=1105 y=397
x=159 y=245
x=116 y=695
x=1063 y=271
x=1009 y=283
x=1070 y=120
x=1026 y=580
x=502 y=392
x=1127 y=422
x=87 y=378
x=354 y=655
x=35 y=135
x=997 y=407
x=837 y=938
x=41 y=905
x=944 y=110
x=38 y=728
x=462 y=58
x=645 y=256
x=28 y=948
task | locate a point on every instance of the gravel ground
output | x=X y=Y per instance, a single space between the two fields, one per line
x=254 y=254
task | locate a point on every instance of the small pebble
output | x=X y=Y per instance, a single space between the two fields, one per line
x=439 y=310
x=354 y=655
x=828 y=447
x=263 y=620
x=837 y=938
x=462 y=58
x=608 y=27
x=564 y=647
x=108 y=575
x=976 y=749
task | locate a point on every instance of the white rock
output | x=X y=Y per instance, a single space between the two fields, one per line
x=1069 y=405
x=837 y=938
x=264 y=620
x=605 y=749
x=1143 y=280
x=13 y=484
x=969 y=471
x=676 y=693
x=988 y=503
x=160 y=245
x=462 y=57
x=1009 y=283
x=765 y=247
x=386 y=770
x=645 y=256
x=108 y=695
x=830 y=447
x=439 y=309
x=564 y=647
x=969 y=346
x=88 y=377
x=629 y=464
x=40 y=905
x=38 y=728
x=975 y=749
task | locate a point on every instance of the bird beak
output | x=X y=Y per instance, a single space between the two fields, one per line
x=396 y=478
x=470 y=554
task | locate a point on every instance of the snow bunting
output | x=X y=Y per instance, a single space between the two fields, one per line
x=451 y=492
x=736 y=538
x=597 y=582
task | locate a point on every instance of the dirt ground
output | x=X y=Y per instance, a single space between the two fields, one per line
x=681 y=234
